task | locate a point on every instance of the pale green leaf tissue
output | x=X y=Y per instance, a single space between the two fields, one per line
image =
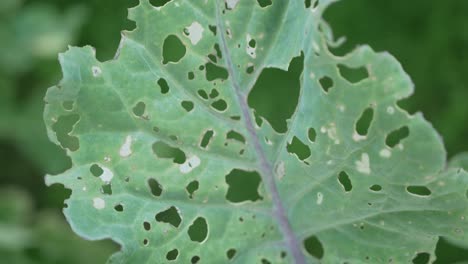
x=156 y=152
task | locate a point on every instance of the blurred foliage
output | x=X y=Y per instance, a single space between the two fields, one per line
x=428 y=37
x=33 y=238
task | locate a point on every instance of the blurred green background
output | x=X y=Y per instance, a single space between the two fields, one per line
x=429 y=38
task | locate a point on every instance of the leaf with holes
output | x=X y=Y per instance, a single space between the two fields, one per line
x=172 y=162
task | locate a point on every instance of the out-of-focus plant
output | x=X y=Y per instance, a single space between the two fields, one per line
x=33 y=238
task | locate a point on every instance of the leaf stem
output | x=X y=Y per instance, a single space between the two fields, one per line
x=265 y=166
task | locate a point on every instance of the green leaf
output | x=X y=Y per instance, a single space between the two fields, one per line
x=459 y=161
x=171 y=162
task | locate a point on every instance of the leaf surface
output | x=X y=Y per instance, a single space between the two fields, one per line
x=171 y=162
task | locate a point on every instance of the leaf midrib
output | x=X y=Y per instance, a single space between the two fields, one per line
x=265 y=168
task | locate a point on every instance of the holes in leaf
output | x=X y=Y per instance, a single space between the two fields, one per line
x=119 y=208
x=250 y=69
x=212 y=29
x=198 y=231
x=218 y=51
x=422 y=258
x=215 y=72
x=191 y=188
x=147 y=226
x=154 y=187
x=206 y=138
x=375 y=188
x=326 y=83
x=364 y=122
x=281 y=89
x=307 y=3
x=243 y=186
x=235 y=136
x=219 y=105
x=264 y=3
x=63 y=127
x=265 y=261
x=419 y=190
x=163 y=150
x=203 y=94
x=172 y=255
x=163 y=86
x=187 y=105
x=231 y=253
x=68 y=105
x=159 y=3
x=353 y=75
x=145 y=242
x=252 y=43
x=96 y=170
x=169 y=216
x=173 y=49
x=139 y=109
x=297 y=147
x=312 y=134
x=214 y=93
x=395 y=137
x=191 y=75
x=195 y=259
x=106 y=189
x=345 y=181
x=314 y=247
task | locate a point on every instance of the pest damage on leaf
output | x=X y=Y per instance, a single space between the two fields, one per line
x=217 y=138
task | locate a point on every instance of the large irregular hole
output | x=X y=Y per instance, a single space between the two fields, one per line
x=163 y=150
x=281 y=90
x=353 y=75
x=159 y=3
x=169 y=216
x=63 y=127
x=198 y=231
x=448 y=252
x=395 y=137
x=163 y=86
x=419 y=190
x=264 y=3
x=215 y=72
x=191 y=188
x=206 y=138
x=422 y=258
x=243 y=186
x=172 y=255
x=297 y=147
x=326 y=83
x=364 y=122
x=173 y=49
x=314 y=247
x=345 y=181
x=154 y=187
